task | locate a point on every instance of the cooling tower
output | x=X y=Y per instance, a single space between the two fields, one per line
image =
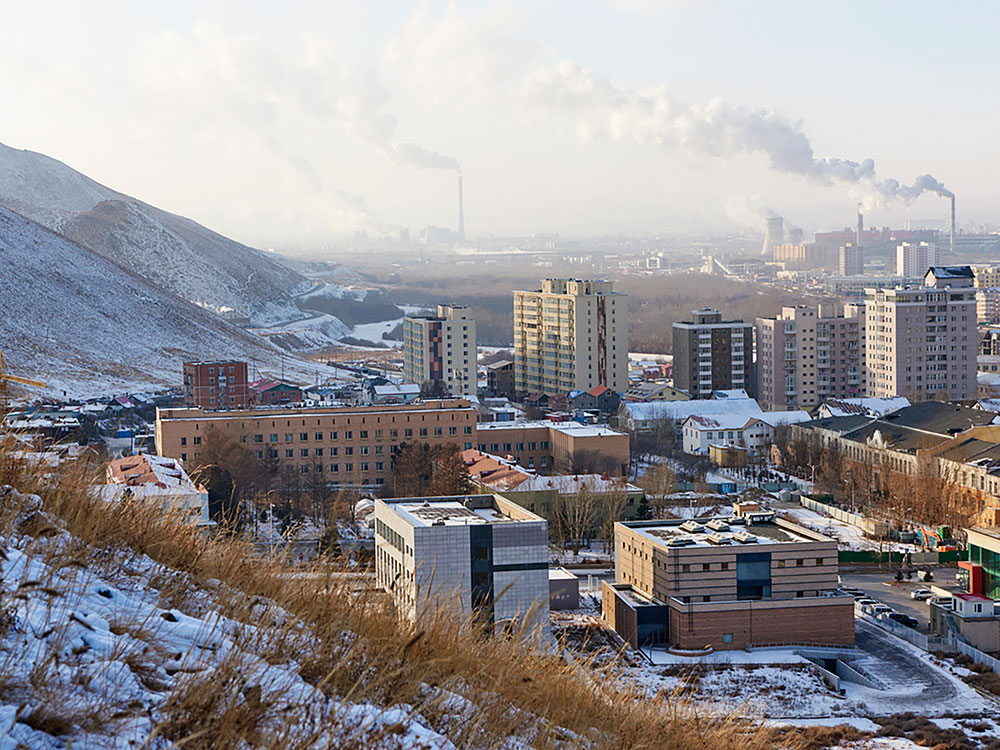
x=774 y=234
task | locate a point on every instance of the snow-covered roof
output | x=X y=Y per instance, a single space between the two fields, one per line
x=845 y=407
x=777 y=418
x=569 y=428
x=569 y=484
x=146 y=469
x=733 y=394
x=641 y=411
x=406 y=389
x=988 y=378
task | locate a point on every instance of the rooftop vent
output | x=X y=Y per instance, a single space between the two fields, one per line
x=718 y=539
x=680 y=541
x=692 y=527
x=717 y=524
x=744 y=538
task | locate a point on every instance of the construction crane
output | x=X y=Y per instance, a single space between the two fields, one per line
x=5 y=378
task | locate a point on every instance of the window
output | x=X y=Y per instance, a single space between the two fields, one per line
x=348 y=451
x=197 y=439
x=334 y=468
x=364 y=450
x=363 y=434
x=408 y=432
x=333 y=436
x=319 y=435
x=380 y=466
x=438 y=432
x=348 y=467
x=258 y=438
x=304 y=436
x=364 y=466
x=318 y=452
x=348 y=435
x=799 y=563
x=423 y=432
x=289 y=437
x=273 y=437
x=184 y=441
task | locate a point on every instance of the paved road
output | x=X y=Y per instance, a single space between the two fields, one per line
x=897 y=597
x=911 y=682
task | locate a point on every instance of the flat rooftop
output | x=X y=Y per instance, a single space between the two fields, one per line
x=721 y=533
x=473 y=510
x=569 y=427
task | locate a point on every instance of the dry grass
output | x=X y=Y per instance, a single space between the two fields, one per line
x=348 y=645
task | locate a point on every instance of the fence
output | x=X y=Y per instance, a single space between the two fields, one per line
x=974 y=653
x=875 y=528
x=921 y=641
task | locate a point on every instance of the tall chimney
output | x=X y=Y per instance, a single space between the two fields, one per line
x=952 y=243
x=861 y=226
x=461 y=212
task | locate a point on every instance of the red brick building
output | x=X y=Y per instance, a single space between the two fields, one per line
x=216 y=385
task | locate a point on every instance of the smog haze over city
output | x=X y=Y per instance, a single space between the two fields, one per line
x=515 y=374
x=296 y=124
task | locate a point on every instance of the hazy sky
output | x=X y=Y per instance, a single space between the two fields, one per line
x=296 y=121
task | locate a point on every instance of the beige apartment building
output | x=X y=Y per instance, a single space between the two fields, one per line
x=558 y=447
x=808 y=355
x=350 y=446
x=988 y=304
x=920 y=342
x=913 y=259
x=442 y=348
x=986 y=276
x=570 y=335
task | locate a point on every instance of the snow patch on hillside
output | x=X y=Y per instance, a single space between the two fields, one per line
x=93 y=658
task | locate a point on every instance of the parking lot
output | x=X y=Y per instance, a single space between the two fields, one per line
x=883 y=587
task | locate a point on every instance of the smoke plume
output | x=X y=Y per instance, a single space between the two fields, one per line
x=606 y=108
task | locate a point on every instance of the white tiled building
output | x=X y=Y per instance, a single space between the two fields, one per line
x=753 y=432
x=482 y=553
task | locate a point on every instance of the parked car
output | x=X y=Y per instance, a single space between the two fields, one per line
x=865 y=601
x=921 y=594
x=910 y=622
x=880 y=609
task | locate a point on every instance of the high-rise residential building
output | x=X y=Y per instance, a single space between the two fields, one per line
x=986 y=276
x=852 y=259
x=218 y=384
x=712 y=354
x=988 y=304
x=913 y=259
x=807 y=355
x=921 y=341
x=441 y=348
x=570 y=335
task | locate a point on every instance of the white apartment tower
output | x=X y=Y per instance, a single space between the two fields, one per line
x=808 y=355
x=912 y=261
x=442 y=348
x=570 y=335
x=852 y=259
x=921 y=341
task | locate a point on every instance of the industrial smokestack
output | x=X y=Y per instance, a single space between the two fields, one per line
x=461 y=212
x=952 y=243
x=861 y=226
x=774 y=234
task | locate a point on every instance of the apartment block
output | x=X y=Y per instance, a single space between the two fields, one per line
x=712 y=354
x=988 y=304
x=986 y=276
x=442 y=348
x=482 y=554
x=729 y=583
x=570 y=335
x=349 y=446
x=913 y=259
x=852 y=259
x=920 y=342
x=216 y=384
x=807 y=355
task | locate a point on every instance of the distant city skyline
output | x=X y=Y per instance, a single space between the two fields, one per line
x=297 y=125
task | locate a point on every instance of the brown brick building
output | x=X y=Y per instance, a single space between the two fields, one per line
x=727 y=585
x=216 y=385
x=558 y=447
x=712 y=354
x=350 y=446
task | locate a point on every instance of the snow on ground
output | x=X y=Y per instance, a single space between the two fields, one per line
x=373 y=331
x=336 y=291
x=848 y=536
x=92 y=657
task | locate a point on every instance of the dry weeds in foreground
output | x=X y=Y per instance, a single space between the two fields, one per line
x=346 y=644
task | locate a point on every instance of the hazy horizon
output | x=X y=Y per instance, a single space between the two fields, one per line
x=296 y=125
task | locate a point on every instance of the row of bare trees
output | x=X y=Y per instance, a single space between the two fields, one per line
x=871 y=486
x=589 y=514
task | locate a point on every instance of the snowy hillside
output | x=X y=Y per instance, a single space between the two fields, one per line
x=180 y=255
x=87 y=326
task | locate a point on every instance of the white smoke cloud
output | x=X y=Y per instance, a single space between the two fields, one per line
x=606 y=108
